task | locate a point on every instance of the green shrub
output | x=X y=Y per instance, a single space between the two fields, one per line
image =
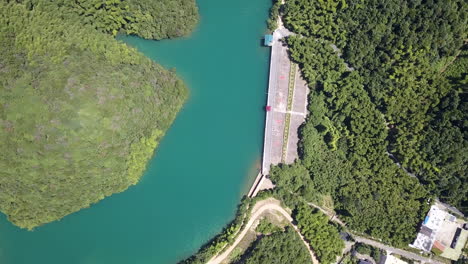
x=266 y=227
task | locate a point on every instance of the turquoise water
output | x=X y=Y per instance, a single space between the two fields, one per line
x=201 y=168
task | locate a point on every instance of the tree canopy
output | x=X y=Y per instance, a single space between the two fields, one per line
x=387 y=123
x=323 y=236
x=80 y=113
x=277 y=248
x=145 y=18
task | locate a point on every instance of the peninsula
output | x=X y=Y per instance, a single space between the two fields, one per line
x=81 y=113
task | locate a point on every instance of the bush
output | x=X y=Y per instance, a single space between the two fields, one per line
x=266 y=227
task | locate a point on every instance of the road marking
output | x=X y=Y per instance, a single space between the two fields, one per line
x=289 y=112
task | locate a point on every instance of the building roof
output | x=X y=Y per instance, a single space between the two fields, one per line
x=426 y=231
x=438 y=225
x=435 y=217
x=423 y=242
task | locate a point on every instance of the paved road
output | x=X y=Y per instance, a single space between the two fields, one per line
x=272 y=90
x=376 y=244
x=278 y=86
x=397 y=251
x=364 y=256
x=259 y=208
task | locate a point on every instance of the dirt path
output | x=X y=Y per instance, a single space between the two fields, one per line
x=259 y=208
x=333 y=217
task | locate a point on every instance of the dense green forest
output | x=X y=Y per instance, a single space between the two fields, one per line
x=387 y=127
x=322 y=235
x=267 y=227
x=280 y=247
x=277 y=248
x=374 y=253
x=80 y=113
x=145 y=18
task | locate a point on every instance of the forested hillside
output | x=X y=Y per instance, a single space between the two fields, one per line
x=80 y=113
x=387 y=127
x=321 y=234
x=277 y=248
x=145 y=18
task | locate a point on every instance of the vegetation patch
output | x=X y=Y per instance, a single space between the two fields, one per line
x=266 y=227
x=287 y=119
x=145 y=18
x=349 y=258
x=323 y=236
x=275 y=11
x=373 y=252
x=279 y=247
x=80 y=113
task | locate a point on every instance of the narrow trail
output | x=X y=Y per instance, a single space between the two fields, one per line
x=333 y=217
x=259 y=208
x=453 y=60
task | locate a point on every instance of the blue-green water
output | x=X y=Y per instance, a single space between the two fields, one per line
x=201 y=168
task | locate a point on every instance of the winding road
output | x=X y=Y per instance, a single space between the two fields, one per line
x=259 y=208
x=274 y=205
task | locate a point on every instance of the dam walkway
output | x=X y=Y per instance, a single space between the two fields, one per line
x=286 y=111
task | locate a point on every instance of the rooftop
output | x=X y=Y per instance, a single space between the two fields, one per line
x=268 y=40
x=441 y=230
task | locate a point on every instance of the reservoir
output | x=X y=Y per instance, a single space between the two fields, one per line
x=202 y=167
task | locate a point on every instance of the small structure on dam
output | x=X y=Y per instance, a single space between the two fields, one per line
x=286 y=106
x=268 y=40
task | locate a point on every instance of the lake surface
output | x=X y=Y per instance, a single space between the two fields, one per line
x=201 y=168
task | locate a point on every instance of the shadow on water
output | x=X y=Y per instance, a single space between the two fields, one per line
x=252 y=174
